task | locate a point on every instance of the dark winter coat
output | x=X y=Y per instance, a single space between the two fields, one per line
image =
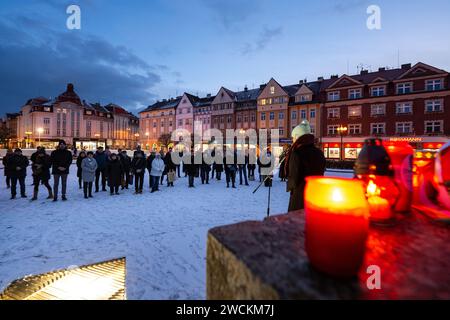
x=102 y=159
x=218 y=167
x=282 y=174
x=61 y=158
x=170 y=165
x=150 y=159
x=114 y=171
x=138 y=166
x=17 y=161
x=205 y=167
x=7 y=170
x=304 y=160
x=126 y=162
x=41 y=166
x=138 y=151
x=192 y=169
x=79 y=169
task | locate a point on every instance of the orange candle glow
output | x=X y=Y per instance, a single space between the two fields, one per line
x=380 y=209
x=337 y=225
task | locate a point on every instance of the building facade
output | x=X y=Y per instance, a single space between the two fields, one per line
x=82 y=125
x=411 y=103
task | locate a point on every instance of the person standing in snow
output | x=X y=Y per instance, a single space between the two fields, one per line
x=156 y=171
x=204 y=170
x=170 y=167
x=303 y=159
x=41 y=173
x=230 y=170
x=101 y=159
x=138 y=165
x=7 y=173
x=138 y=150
x=17 y=167
x=191 y=169
x=126 y=164
x=150 y=159
x=80 y=158
x=114 y=171
x=88 y=170
x=61 y=162
x=243 y=169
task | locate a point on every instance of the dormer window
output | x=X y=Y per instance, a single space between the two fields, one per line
x=334 y=96
x=378 y=91
x=434 y=85
x=404 y=88
x=354 y=94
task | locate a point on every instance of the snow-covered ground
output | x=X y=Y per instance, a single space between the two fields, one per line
x=162 y=235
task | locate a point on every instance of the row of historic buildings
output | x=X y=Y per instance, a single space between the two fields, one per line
x=410 y=103
x=81 y=124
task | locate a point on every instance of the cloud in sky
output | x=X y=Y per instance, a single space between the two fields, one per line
x=43 y=65
x=263 y=40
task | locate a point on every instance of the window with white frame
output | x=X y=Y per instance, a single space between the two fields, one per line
x=46 y=131
x=305 y=98
x=377 y=110
x=404 y=108
x=435 y=126
x=378 y=91
x=313 y=128
x=377 y=128
x=281 y=116
x=354 y=93
x=281 y=131
x=354 y=112
x=333 y=113
x=303 y=114
x=433 y=106
x=312 y=113
x=403 y=127
x=229 y=119
x=253 y=118
x=333 y=130
x=434 y=85
x=354 y=129
x=272 y=90
x=263 y=116
x=334 y=96
x=404 y=88
x=46 y=120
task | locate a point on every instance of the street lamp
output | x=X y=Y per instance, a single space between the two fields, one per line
x=342 y=131
x=28 y=134
x=40 y=131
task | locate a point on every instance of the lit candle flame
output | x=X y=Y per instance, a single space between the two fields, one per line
x=337 y=196
x=372 y=189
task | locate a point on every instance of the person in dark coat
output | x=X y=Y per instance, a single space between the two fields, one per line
x=171 y=167
x=192 y=169
x=138 y=150
x=41 y=173
x=138 y=165
x=33 y=157
x=150 y=159
x=218 y=168
x=61 y=160
x=80 y=158
x=17 y=167
x=243 y=170
x=6 y=172
x=180 y=154
x=281 y=173
x=303 y=159
x=126 y=165
x=102 y=159
x=251 y=170
x=114 y=171
x=204 y=170
x=164 y=173
x=230 y=170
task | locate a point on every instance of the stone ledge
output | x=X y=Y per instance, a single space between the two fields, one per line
x=267 y=260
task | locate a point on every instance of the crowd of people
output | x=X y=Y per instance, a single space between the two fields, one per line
x=101 y=169
x=118 y=171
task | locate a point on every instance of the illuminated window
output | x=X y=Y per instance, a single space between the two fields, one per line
x=354 y=112
x=272 y=90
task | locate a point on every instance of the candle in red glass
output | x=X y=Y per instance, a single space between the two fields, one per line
x=337 y=224
x=380 y=209
x=401 y=154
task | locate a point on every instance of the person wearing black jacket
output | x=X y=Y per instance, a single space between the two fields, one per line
x=138 y=169
x=7 y=174
x=303 y=160
x=114 y=170
x=204 y=170
x=80 y=159
x=41 y=173
x=191 y=169
x=102 y=158
x=230 y=170
x=126 y=165
x=61 y=160
x=170 y=167
x=17 y=167
x=150 y=159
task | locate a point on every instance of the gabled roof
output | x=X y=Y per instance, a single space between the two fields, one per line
x=206 y=101
x=69 y=96
x=423 y=66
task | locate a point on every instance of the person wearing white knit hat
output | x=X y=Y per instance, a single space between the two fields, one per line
x=303 y=159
